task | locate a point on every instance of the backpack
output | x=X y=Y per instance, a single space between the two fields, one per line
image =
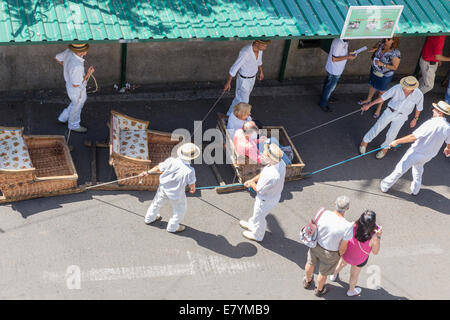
x=308 y=234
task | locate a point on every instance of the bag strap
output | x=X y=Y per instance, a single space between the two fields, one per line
x=362 y=248
x=319 y=214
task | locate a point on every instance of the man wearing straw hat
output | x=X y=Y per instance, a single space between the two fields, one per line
x=404 y=97
x=177 y=173
x=268 y=186
x=428 y=139
x=72 y=61
x=246 y=67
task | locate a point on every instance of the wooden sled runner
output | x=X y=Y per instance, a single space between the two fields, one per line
x=134 y=149
x=34 y=166
x=246 y=170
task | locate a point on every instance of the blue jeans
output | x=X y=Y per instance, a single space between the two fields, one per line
x=328 y=87
x=447 y=93
x=275 y=141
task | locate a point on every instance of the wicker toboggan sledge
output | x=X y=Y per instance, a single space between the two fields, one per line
x=245 y=170
x=34 y=166
x=134 y=149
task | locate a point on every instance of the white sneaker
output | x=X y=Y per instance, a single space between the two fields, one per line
x=244 y=224
x=380 y=154
x=80 y=130
x=249 y=236
x=383 y=189
x=355 y=292
x=362 y=149
x=333 y=278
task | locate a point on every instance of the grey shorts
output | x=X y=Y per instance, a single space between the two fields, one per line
x=328 y=260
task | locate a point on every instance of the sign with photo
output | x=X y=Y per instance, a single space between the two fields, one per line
x=365 y=22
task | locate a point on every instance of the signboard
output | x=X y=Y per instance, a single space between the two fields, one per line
x=365 y=22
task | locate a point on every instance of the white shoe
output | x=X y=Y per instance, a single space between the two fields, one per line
x=333 y=278
x=355 y=292
x=158 y=217
x=249 y=236
x=180 y=228
x=362 y=149
x=383 y=189
x=244 y=225
x=80 y=129
x=380 y=154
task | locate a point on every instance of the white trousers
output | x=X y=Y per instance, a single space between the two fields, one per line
x=426 y=83
x=72 y=113
x=243 y=89
x=412 y=160
x=257 y=223
x=395 y=119
x=179 y=207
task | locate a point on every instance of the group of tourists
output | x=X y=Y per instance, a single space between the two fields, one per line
x=339 y=242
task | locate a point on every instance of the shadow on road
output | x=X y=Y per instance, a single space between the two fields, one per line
x=216 y=243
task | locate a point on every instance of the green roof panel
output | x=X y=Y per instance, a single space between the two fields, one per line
x=37 y=21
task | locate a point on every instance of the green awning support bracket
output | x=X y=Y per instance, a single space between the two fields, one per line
x=287 y=47
x=123 y=67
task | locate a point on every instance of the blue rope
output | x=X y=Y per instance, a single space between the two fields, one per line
x=226 y=186
x=361 y=155
x=309 y=174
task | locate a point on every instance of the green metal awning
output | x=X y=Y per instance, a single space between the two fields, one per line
x=40 y=21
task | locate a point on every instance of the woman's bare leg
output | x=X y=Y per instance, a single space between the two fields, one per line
x=354 y=275
x=378 y=111
x=370 y=95
x=339 y=267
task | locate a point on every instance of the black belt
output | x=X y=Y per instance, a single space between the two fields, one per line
x=246 y=77
x=393 y=110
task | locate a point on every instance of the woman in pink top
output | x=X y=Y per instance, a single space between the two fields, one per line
x=366 y=239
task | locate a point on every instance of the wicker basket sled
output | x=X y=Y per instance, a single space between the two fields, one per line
x=133 y=149
x=245 y=170
x=34 y=166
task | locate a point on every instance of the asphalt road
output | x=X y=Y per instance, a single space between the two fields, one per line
x=100 y=237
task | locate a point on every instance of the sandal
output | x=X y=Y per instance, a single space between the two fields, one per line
x=307 y=285
x=375 y=116
x=361 y=103
x=322 y=292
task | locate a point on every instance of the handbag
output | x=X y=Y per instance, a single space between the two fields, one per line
x=308 y=234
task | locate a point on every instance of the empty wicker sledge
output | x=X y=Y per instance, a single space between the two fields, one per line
x=34 y=166
x=245 y=170
x=133 y=149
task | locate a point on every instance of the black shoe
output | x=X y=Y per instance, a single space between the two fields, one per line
x=333 y=99
x=322 y=292
x=326 y=109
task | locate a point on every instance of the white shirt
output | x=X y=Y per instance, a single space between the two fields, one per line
x=271 y=182
x=176 y=175
x=246 y=63
x=332 y=229
x=400 y=103
x=339 y=48
x=234 y=123
x=73 y=67
x=431 y=135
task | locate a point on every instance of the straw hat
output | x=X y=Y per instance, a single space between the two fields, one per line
x=264 y=41
x=188 y=151
x=273 y=152
x=409 y=83
x=442 y=106
x=82 y=47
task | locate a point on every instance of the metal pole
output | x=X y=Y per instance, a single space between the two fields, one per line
x=123 y=68
x=287 y=46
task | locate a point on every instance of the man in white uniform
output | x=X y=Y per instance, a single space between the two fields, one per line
x=405 y=96
x=72 y=61
x=177 y=173
x=428 y=139
x=246 y=68
x=268 y=186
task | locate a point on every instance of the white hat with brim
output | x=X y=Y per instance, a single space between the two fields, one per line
x=442 y=106
x=409 y=83
x=273 y=152
x=188 y=152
